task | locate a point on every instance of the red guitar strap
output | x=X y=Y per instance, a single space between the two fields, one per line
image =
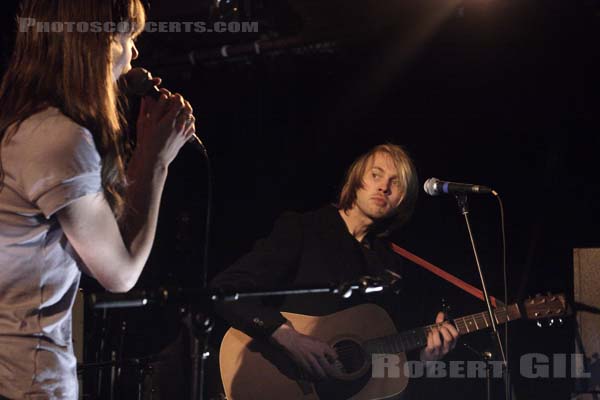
x=443 y=274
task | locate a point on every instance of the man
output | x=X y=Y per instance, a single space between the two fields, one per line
x=331 y=245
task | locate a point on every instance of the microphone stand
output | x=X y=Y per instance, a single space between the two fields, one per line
x=486 y=357
x=365 y=284
x=461 y=198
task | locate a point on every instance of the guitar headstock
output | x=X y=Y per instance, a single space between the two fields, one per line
x=548 y=306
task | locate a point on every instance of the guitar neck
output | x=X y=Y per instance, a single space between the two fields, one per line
x=417 y=338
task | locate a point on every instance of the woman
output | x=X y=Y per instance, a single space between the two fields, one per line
x=67 y=202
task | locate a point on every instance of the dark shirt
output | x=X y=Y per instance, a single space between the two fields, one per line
x=313 y=249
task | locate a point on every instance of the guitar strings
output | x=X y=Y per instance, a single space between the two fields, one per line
x=407 y=339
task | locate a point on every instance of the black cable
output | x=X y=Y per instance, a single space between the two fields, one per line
x=507 y=389
x=197 y=390
x=209 y=195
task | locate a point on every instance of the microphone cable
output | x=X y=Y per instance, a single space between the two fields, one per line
x=507 y=385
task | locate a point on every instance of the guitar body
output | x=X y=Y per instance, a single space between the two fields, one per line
x=254 y=370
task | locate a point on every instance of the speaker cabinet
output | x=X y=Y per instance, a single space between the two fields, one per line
x=586 y=270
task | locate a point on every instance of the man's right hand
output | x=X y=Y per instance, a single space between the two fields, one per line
x=315 y=357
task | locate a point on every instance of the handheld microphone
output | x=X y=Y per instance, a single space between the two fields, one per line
x=435 y=187
x=138 y=82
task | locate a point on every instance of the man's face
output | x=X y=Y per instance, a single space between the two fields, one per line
x=380 y=195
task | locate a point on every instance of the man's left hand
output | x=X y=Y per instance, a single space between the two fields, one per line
x=440 y=340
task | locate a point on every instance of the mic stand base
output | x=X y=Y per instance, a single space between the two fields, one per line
x=199 y=326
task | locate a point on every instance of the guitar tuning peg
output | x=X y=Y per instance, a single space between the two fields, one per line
x=539 y=324
x=551 y=322
x=561 y=322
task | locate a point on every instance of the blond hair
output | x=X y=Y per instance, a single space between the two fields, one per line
x=408 y=184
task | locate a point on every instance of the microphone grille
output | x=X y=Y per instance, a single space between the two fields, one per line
x=138 y=81
x=431 y=186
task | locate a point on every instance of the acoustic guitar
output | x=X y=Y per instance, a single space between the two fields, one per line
x=256 y=370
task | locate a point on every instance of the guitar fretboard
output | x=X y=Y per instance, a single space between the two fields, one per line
x=417 y=338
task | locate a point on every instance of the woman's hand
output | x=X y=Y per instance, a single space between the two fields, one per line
x=164 y=126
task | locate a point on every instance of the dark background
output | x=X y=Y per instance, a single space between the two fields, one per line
x=498 y=92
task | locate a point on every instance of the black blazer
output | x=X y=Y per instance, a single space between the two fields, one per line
x=305 y=250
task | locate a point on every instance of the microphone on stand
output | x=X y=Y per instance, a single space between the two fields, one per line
x=134 y=298
x=435 y=187
x=138 y=82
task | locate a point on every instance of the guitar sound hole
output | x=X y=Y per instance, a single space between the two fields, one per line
x=350 y=355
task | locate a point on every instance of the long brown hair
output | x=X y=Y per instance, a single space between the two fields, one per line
x=409 y=185
x=72 y=71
